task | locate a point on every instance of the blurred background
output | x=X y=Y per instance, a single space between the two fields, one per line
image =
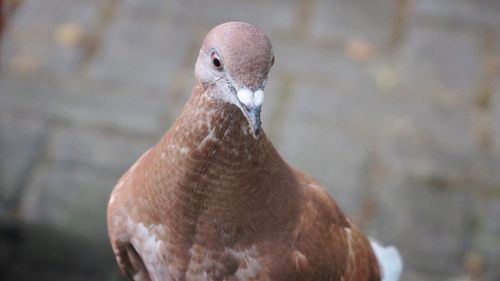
x=393 y=104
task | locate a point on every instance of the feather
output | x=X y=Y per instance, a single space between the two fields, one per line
x=390 y=261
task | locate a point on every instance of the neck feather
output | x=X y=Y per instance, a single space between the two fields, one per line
x=218 y=176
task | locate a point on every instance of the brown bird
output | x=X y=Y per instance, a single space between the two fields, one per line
x=214 y=200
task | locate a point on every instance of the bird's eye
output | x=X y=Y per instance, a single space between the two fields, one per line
x=216 y=61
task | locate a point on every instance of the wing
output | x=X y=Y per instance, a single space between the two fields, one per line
x=127 y=257
x=328 y=246
x=130 y=262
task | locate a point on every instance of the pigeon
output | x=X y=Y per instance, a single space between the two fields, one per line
x=214 y=200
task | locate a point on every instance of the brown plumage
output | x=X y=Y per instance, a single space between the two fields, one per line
x=213 y=200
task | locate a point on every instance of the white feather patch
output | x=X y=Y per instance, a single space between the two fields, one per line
x=258 y=97
x=391 y=263
x=245 y=96
x=184 y=150
x=153 y=251
x=250 y=257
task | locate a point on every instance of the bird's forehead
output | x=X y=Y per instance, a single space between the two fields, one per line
x=238 y=40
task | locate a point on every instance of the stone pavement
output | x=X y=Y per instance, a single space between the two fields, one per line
x=392 y=104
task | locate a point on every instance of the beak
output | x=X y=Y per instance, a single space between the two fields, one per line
x=251 y=104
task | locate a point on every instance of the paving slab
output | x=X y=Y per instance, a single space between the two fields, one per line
x=21 y=144
x=344 y=20
x=441 y=64
x=273 y=16
x=70 y=196
x=408 y=208
x=46 y=39
x=482 y=13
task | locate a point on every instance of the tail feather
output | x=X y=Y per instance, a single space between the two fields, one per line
x=390 y=261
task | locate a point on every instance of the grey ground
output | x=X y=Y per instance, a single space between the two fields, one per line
x=394 y=105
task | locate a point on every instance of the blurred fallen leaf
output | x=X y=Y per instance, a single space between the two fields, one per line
x=69 y=34
x=23 y=64
x=474 y=265
x=359 y=49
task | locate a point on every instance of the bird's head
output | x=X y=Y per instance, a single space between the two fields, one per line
x=235 y=59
